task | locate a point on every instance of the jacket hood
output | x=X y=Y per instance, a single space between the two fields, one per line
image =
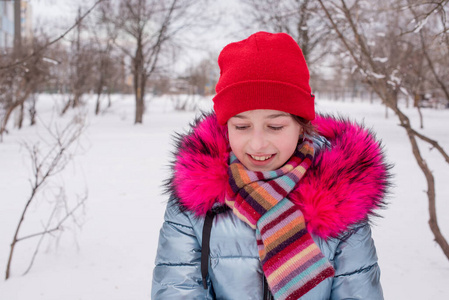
x=345 y=185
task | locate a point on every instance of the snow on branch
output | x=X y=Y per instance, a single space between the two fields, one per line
x=421 y=24
x=381 y=59
x=375 y=75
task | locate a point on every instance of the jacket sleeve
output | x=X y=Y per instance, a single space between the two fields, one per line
x=177 y=274
x=357 y=274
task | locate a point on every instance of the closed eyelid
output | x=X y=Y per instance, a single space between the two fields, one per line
x=240 y=124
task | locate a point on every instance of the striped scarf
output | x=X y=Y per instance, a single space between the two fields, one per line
x=292 y=262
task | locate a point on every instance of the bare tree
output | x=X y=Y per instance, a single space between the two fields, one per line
x=434 y=49
x=8 y=64
x=81 y=65
x=107 y=64
x=384 y=76
x=202 y=77
x=45 y=166
x=26 y=69
x=147 y=28
x=17 y=83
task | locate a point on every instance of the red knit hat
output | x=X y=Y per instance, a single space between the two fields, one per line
x=264 y=71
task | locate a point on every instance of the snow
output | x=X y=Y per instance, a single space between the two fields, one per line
x=402 y=89
x=122 y=165
x=49 y=60
x=420 y=25
x=381 y=59
x=375 y=75
x=395 y=77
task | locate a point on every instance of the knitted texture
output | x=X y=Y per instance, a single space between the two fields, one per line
x=291 y=261
x=264 y=71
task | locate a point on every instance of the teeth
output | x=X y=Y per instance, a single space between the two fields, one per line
x=261 y=158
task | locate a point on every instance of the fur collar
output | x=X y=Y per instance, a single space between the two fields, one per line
x=345 y=185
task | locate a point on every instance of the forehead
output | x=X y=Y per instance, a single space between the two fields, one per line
x=262 y=114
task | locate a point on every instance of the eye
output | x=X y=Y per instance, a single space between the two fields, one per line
x=241 y=127
x=276 y=127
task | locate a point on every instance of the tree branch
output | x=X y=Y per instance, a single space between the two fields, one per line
x=57 y=227
x=52 y=163
x=389 y=97
x=433 y=143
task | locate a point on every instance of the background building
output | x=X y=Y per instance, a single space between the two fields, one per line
x=6 y=24
x=26 y=21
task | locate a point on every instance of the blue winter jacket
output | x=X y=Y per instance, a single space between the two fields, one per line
x=336 y=207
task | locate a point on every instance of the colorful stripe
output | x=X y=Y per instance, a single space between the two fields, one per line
x=291 y=261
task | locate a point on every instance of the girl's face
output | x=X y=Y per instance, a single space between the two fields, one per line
x=263 y=139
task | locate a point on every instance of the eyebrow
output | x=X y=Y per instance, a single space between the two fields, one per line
x=272 y=116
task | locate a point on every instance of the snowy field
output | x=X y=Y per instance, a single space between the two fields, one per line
x=110 y=255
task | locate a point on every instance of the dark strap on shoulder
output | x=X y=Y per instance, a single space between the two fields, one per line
x=205 y=249
x=266 y=291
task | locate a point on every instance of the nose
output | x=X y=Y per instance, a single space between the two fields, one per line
x=258 y=141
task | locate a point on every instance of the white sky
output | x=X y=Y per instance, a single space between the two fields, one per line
x=51 y=9
x=55 y=16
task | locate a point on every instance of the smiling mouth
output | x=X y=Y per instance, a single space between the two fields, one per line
x=261 y=157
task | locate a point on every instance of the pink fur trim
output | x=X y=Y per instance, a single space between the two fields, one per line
x=201 y=166
x=346 y=183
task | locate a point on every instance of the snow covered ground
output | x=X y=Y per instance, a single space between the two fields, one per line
x=122 y=166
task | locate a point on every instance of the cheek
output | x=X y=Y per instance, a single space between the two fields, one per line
x=287 y=144
x=289 y=148
x=235 y=142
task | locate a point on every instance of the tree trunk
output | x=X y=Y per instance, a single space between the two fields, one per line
x=10 y=109
x=139 y=99
x=421 y=120
x=76 y=99
x=32 y=110
x=139 y=106
x=21 y=116
x=97 y=105
x=5 y=120
x=139 y=83
x=431 y=195
x=16 y=234
x=66 y=106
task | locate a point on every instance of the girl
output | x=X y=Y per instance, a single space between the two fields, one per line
x=267 y=199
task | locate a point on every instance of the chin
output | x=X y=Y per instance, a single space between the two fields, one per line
x=262 y=168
